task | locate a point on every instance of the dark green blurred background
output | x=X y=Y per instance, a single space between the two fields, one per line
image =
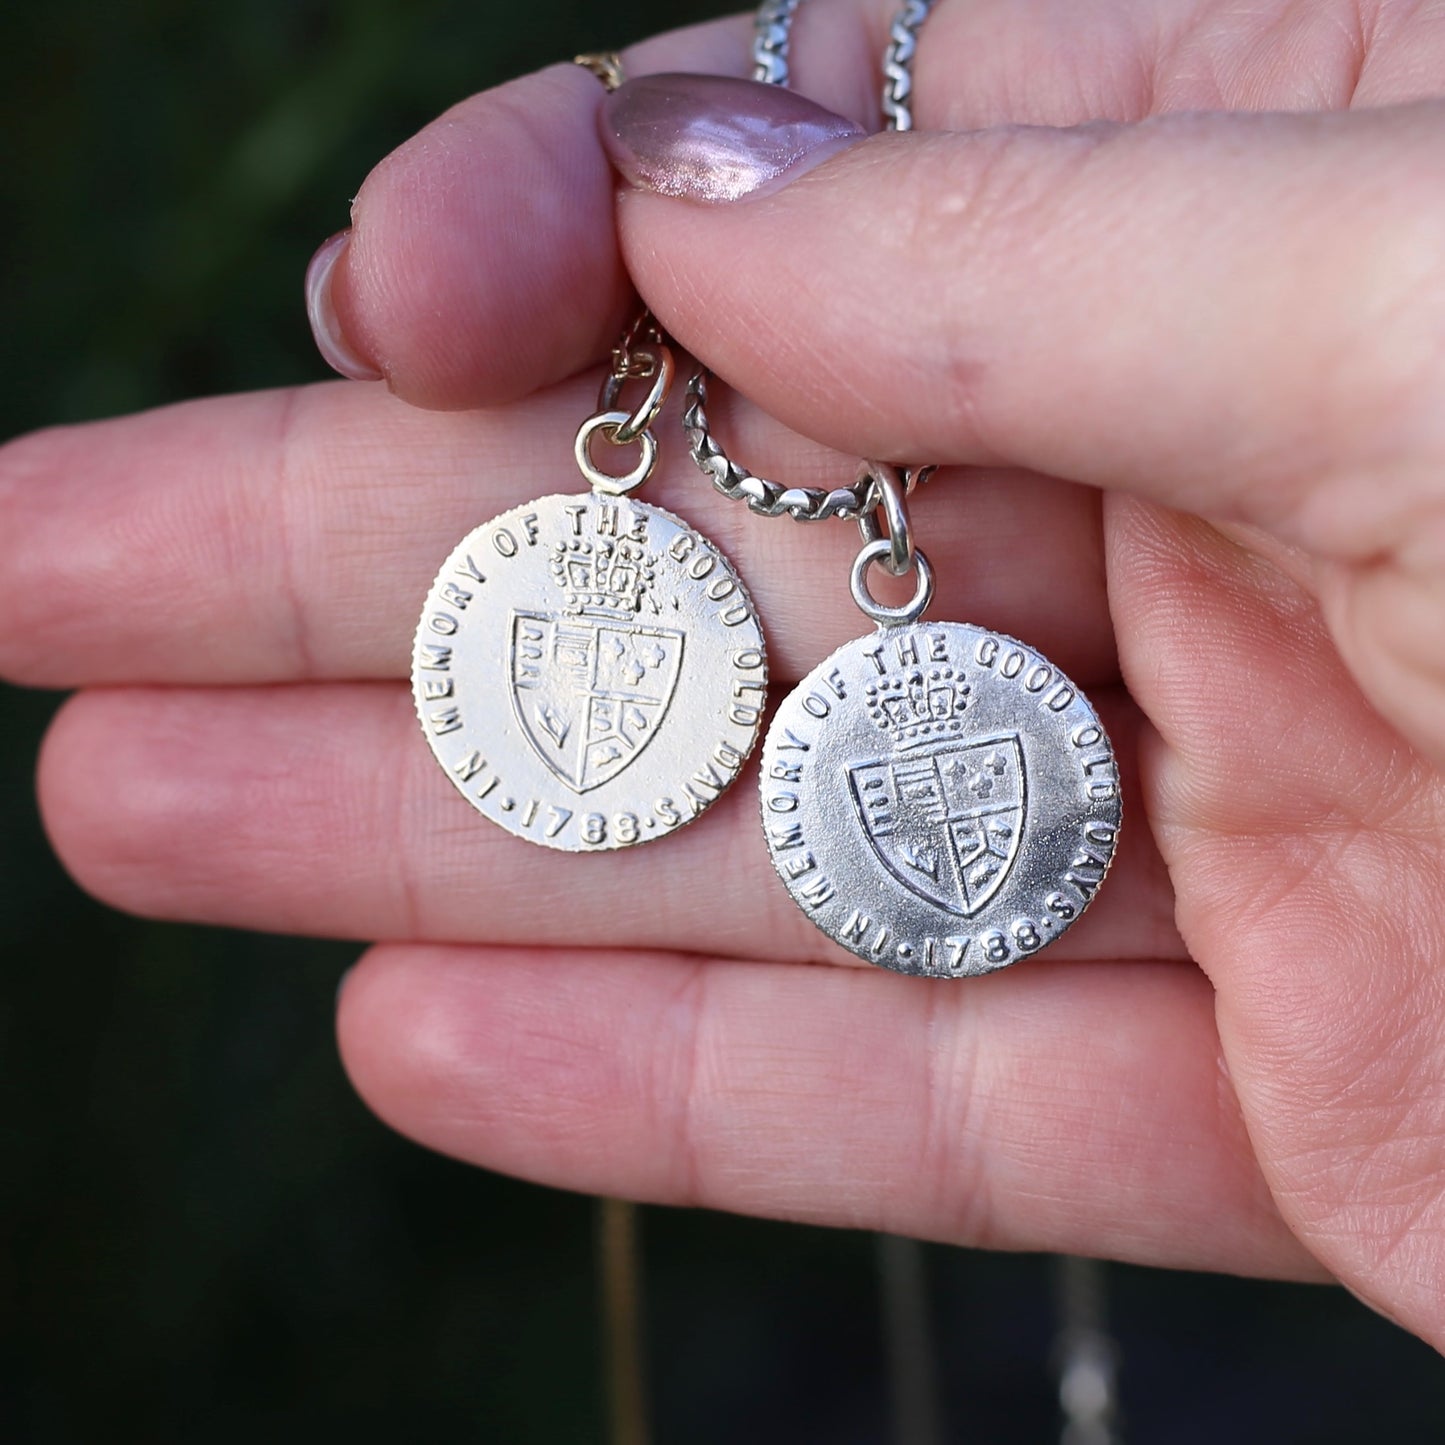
x=205 y=1237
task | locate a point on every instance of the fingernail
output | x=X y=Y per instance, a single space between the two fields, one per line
x=711 y=138
x=337 y=352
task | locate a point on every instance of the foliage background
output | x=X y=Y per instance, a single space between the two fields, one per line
x=203 y=1236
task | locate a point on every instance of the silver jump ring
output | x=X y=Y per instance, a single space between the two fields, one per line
x=911 y=610
x=641 y=420
x=608 y=423
x=890 y=490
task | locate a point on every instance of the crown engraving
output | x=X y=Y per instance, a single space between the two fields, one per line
x=602 y=578
x=919 y=705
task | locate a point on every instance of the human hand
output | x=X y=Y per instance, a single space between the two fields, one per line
x=1150 y=310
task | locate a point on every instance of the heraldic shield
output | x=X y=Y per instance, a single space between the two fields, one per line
x=591 y=692
x=946 y=821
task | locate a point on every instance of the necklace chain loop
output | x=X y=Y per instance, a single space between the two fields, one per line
x=767 y=499
x=772 y=32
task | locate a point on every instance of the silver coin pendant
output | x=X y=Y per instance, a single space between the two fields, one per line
x=589 y=671
x=940 y=799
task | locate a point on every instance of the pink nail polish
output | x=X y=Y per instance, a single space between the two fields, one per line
x=331 y=342
x=711 y=138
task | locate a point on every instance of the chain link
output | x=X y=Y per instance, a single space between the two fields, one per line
x=633 y=357
x=606 y=65
x=898 y=64
x=767 y=499
x=772 y=29
x=772 y=32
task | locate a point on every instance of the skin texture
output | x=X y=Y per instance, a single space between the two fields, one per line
x=1195 y=363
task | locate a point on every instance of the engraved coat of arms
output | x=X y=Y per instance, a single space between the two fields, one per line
x=591 y=682
x=943 y=813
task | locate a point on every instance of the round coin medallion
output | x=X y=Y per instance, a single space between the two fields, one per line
x=589 y=671
x=939 y=799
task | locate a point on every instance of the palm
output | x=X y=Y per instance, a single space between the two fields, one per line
x=1301 y=833
x=1076 y=1102
x=1301 y=837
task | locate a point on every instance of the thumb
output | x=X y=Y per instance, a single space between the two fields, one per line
x=1237 y=314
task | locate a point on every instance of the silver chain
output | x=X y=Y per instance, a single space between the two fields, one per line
x=772 y=32
x=767 y=499
x=772 y=28
x=898 y=64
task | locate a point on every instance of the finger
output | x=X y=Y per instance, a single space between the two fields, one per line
x=1080 y=1108
x=478 y=265
x=292 y=535
x=1234 y=314
x=319 y=810
x=481 y=262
